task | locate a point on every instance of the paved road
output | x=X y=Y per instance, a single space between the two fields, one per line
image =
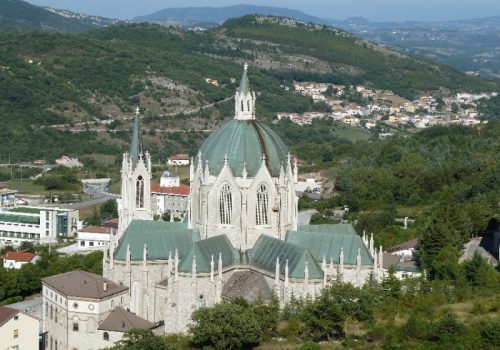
x=99 y=194
x=305 y=216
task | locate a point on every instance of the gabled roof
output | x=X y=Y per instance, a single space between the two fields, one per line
x=96 y=229
x=6 y=313
x=267 y=249
x=179 y=190
x=205 y=249
x=411 y=244
x=121 y=320
x=160 y=237
x=83 y=285
x=327 y=240
x=19 y=256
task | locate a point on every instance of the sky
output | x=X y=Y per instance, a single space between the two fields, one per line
x=379 y=10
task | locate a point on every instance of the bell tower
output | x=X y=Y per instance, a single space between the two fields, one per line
x=135 y=202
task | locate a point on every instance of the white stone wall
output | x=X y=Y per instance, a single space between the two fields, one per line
x=243 y=232
x=61 y=312
x=20 y=332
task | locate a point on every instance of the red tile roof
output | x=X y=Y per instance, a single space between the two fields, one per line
x=181 y=190
x=179 y=157
x=19 y=256
x=6 y=313
x=96 y=229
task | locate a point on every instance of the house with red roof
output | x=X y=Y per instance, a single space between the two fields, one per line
x=178 y=159
x=15 y=260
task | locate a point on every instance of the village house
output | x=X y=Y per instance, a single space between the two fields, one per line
x=15 y=260
x=178 y=159
x=94 y=238
x=18 y=330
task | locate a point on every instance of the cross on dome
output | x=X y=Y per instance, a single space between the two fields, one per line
x=137 y=110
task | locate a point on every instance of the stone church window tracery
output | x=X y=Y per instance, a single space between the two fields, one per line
x=262 y=206
x=225 y=205
x=139 y=197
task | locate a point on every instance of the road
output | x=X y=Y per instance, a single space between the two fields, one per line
x=305 y=216
x=87 y=127
x=99 y=194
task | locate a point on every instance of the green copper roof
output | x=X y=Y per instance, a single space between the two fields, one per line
x=330 y=228
x=328 y=243
x=161 y=237
x=244 y=142
x=205 y=249
x=244 y=83
x=267 y=249
x=135 y=142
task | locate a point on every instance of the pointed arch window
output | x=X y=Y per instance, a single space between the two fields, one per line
x=242 y=106
x=139 y=195
x=225 y=205
x=248 y=105
x=262 y=206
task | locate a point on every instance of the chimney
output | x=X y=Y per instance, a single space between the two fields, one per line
x=105 y=287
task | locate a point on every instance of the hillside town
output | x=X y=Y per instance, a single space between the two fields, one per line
x=365 y=107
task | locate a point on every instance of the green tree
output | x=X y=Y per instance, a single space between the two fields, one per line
x=229 y=325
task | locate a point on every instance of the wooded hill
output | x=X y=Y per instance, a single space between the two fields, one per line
x=48 y=79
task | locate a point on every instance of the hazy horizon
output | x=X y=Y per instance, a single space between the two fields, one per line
x=380 y=10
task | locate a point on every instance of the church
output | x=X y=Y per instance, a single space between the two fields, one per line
x=240 y=236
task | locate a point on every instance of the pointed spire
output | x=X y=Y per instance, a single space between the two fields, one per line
x=286 y=273
x=381 y=258
x=277 y=272
x=244 y=83
x=372 y=245
x=323 y=266
x=244 y=101
x=135 y=141
x=220 y=266
x=193 y=268
x=212 y=268
x=176 y=262
x=341 y=261
x=244 y=173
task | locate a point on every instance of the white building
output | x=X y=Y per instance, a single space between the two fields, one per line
x=94 y=238
x=15 y=260
x=241 y=236
x=18 y=331
x=173 y=200
x=7 y=197
x=403 y=259
x=167 y=179
x=36 y=225
x=178 y=159
x=74 y=305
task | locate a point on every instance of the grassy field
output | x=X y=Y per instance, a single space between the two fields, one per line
x=351 y=133
x=27 y=187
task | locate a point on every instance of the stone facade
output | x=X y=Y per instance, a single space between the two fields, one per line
x=246 y=241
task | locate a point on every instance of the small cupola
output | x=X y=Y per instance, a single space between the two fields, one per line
x=244 y=99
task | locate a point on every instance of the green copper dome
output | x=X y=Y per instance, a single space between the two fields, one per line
x=244 y=142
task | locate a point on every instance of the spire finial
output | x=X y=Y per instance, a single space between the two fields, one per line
x=137 y=111
x=226 y=159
